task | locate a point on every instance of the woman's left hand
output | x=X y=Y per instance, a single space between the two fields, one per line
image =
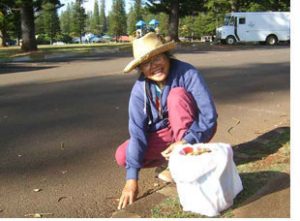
x=167 y=152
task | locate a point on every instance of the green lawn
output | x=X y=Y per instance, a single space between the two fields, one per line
x=7 y=53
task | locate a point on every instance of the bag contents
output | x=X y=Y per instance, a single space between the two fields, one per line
x=190 y=151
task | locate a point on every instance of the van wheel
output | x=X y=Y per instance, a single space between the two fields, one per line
x=230 y=40
x=271 y=40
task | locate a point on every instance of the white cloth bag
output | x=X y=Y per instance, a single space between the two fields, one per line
x=206 y=183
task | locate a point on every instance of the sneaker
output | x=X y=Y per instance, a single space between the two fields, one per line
x=166 y=176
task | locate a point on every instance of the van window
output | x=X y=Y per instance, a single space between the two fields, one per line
x=242 y=21
x=229 y=20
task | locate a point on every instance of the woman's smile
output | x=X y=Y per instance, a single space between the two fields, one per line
x=157 y=69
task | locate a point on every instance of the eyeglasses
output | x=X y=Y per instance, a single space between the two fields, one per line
x=155 y=60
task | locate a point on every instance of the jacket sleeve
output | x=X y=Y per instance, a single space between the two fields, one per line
x=203 y=127
x=138 y=137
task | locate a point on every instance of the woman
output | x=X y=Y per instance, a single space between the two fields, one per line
x=169 y=105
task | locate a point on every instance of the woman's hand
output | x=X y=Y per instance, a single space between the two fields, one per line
x=167 y=152
x=129 y=193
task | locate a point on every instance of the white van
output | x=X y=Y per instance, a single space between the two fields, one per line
x=269 y=27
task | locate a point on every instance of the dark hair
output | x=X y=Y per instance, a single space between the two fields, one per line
x=169 y=54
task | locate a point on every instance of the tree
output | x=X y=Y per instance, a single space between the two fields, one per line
x=27 y=9
x=47 y=23
x=78 y=18
x=95 y=19
x=175 y=9
x=135 y=14
x=118 y=25
x=138 y=9
x=65 y=20
x=260 y=5
x=131 y=20
x=27 y=25
x=4 y=13
x=216 y=10
x=103 y=20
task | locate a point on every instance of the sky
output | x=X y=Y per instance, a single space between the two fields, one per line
x=89 y=5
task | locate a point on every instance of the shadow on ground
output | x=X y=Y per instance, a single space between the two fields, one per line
x=43 y=63
x=259 y=184
x=263 y=180
x=259 y=148
x=15 y=68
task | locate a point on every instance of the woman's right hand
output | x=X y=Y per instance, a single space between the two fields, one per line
x=129 y=193
x=167 y=152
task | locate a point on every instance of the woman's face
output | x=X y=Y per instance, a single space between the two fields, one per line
x=157 y=68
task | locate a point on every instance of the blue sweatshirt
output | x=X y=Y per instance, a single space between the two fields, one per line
x=144 y=117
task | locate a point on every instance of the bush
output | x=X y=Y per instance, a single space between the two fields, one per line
x=43 y=39
x=64 y=38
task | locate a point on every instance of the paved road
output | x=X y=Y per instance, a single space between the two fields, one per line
x=61 y=122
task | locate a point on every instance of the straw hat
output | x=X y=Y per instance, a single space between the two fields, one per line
x=147 y=47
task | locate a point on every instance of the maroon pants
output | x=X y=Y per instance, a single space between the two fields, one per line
x=182 y=112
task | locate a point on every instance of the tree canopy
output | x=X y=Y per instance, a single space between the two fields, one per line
x=117 y=23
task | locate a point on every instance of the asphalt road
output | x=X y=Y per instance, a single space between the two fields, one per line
x=60 y=124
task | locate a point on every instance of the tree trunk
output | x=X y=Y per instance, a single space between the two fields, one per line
x=3 y=33
x=3 y=37
x=174 y=20
x=27 y=27
x=1 y=41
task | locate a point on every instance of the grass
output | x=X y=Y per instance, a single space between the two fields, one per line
x=254 y=175
x=171 y=208
x=8 y=53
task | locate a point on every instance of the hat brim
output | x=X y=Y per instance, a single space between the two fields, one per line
x=136 y=62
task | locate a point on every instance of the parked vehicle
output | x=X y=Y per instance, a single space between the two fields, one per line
x=59 y=43
x=11 y=42
x=268 y=27
x=96 y=39
x=106 y=38
x=77 y=40
x=122 y=38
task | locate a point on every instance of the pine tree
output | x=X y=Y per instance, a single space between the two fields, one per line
x=118 y=25
x=135 y=14
x=27 y=9
x=50 y=21
x=78 y=18
x=103 y=20
x=4 y=14
x=131 y=21
x=95 y=19
x=138 y=9
x=65 y=20
x=27 y=23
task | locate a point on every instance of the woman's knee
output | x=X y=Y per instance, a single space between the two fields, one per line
x=180 y=98
x=176 y=94
x=182 y=111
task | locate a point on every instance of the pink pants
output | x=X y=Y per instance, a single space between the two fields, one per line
x=182 y=111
